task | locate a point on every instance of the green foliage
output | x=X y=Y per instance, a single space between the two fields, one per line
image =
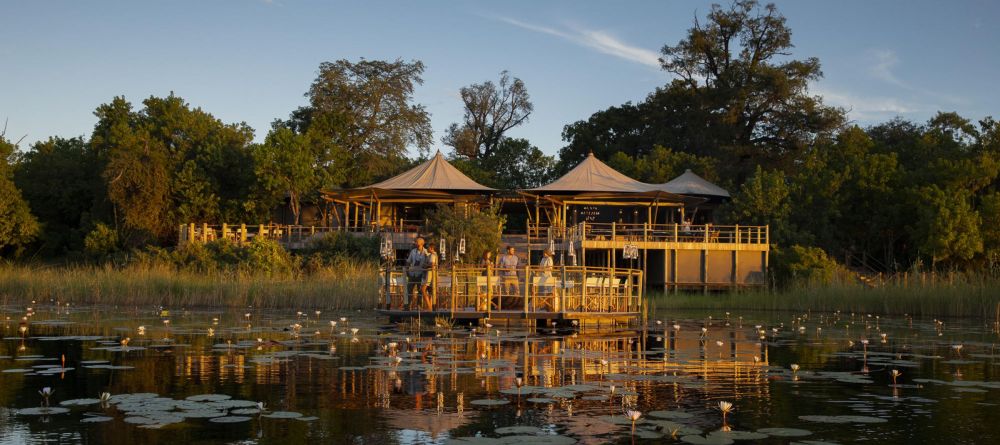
x=333 y=247
x=948 y=226
x=490 y=111
x=367 y=108
x=260 y=256
x=101 y=242
x=802 y=266
x=735 y=96
x=60 y=180
x=481 y=229
x=663 y=164
x=764 y=200
x=18 y=226
x=512 y=164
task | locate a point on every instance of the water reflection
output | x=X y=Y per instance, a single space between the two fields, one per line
x=350 y=378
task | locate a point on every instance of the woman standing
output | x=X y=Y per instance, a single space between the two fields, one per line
x=430 y=275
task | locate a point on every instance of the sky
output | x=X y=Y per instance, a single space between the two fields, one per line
x=252 y=60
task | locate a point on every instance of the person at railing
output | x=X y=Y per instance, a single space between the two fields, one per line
x=507 y=266
x=430 y=276
x=487 y=262
x=545 y=266
x=414 y=273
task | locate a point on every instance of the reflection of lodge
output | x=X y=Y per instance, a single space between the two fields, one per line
x=592 y=216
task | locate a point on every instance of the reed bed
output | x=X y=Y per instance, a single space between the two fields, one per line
x=972 y=298
x=347 y=286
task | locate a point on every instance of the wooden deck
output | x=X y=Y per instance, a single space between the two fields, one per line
x=561 y=295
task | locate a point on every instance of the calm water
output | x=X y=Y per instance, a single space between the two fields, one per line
x=198 y=378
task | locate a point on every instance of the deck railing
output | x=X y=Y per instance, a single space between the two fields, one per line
x=645 y=232
x=526 y=289
x=241 y=233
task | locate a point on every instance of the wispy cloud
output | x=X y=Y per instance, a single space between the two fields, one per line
x=865 y=107
x=597 y=40
x=883 y=65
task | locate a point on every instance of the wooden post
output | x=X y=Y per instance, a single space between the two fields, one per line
x=675 y=232
x=737 y=234
x=225 y=231
x=527 y=282
x=204 y=232
x=454 y=284
x=243 y=233
x=260 y=230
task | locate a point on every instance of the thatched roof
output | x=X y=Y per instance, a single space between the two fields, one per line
x=689 y=183
x=435 y=174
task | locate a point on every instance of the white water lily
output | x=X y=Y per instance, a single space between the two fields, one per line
x=794 y=367
x=46 y=392
x=261 y=407
x=333 y=324
x=354 y=331
x=725 y=408
x=105 y=396
x=634 y=416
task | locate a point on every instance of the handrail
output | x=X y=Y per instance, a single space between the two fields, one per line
x=645 y=232
x=525 y=289
x=290 y=233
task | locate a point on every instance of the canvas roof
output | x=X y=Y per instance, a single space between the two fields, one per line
x=689 y=183
x=435 y=174
x=592 y=175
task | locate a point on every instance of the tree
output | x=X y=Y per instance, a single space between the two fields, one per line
x=663 y=164
x=735 y=97
x=294 y=165
x=515 y=164
x=764 y=200
x=481 y=229
x=18 y=227
x=490 y=110
x=59 y=178
x=948 y=227
x=367 y=109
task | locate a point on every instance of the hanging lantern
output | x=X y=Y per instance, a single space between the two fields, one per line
x=461 y=246
x=442 y=247
x=552 y=245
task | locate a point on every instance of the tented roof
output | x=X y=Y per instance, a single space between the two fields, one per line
x=592 y=175
x=689 y=183
x=435 y=174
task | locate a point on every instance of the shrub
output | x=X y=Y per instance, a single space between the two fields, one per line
x=481 y=228
x=101 y=242
x=802 y=265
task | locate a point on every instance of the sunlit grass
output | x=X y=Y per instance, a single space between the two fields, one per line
x=979 y=298
x=347 y=286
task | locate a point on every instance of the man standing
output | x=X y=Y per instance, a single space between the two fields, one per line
x=507 y=266
x=415 y=273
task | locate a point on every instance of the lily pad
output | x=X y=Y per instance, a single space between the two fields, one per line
x=230 y=419
x=42 y=411
x=490 y=402
x=785 y=432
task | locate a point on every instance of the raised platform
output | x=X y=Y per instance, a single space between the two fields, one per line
x=583 y=318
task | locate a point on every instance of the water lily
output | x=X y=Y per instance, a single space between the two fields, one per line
x=794 y=367
x=354 y=331
x=141 y=330
x=125 y=341
x=895 y=374
x=634 y=416
x=261 y=407
x=343 y=319
x=677 y=327
x=104 y=397
x=333 y=324
x=725 y=408
x=46 y=392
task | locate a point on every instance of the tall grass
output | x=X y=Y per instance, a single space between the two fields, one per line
x=348 y=285
x=972 y=298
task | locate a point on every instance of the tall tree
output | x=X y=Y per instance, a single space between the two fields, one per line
x=59 y=177
x=514 y=164
x=735 y=96
x=367 y=108
x=18 y=227
x=490 y=111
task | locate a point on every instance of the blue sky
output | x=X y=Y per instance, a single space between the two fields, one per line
x=252 y=60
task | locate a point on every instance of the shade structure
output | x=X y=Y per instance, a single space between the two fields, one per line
x=434 y=174
x=691 y=184
x=592 y=175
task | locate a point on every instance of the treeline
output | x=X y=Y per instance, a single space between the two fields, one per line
x=145 y=170
x=738 y=111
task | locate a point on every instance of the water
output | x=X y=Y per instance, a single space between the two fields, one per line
x=386 y=384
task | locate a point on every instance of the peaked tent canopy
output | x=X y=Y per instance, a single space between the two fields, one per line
x=592 y=175
x=435 y=174
x=689 y=183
